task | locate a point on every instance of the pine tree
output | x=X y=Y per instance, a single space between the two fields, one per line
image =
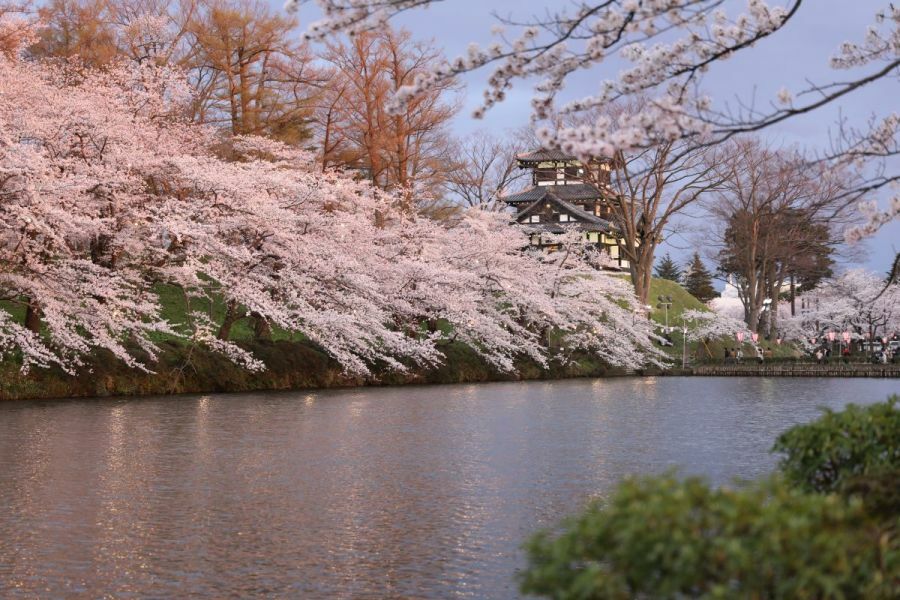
x=667 y=269
x=698 y=280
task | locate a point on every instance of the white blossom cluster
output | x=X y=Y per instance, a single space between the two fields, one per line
x=855 y=301
x=662 y=120
x=581 y=39
x=875 y=217
x=880 y=141
x=882 y=42
x=702 y=325
x=351 y=16
x=106 y=194
x=17 y=30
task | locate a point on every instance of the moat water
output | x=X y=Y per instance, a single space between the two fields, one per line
x=364 y=493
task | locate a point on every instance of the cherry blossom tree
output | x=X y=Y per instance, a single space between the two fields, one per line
x=702 y=324
x=108 y=191
x=851 y=302
x=75 y=246
x=16 y=27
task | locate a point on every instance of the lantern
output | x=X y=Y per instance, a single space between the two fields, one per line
x=846 y=337
x=778 y=341
x=740 y=337
x=831 y=336
x=754 y=336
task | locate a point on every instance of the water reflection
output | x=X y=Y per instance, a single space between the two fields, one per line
x=412 y=492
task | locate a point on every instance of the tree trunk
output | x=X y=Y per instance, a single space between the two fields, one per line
x=793 y=297
x=33 y=317
x=753 y=321
x=545 y=337
x=261 y=328
x=641 y=273
x=772 y=324
x=231 y=316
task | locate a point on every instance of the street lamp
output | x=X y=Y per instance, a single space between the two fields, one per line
x=684 y=335
x=665 y=302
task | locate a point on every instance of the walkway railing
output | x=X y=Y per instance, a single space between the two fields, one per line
x=796 y=369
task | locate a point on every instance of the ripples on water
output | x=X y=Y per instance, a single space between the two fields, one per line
x=389 y=492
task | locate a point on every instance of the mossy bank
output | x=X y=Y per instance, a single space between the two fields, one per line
x=290 y=365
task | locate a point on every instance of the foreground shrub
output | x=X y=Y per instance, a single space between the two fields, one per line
x=828 y=528
x=844 y=448
x=665 y=538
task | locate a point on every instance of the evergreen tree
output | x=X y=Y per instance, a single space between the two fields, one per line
x=698 y=280
x=667 y=269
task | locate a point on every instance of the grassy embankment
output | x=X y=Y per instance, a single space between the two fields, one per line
x=292 y=362
x=713 y=349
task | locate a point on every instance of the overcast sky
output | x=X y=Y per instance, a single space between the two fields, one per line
x=798 y=52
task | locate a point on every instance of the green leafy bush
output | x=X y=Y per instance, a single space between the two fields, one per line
x=828 y=528
x=664 y=538
x=844 y=448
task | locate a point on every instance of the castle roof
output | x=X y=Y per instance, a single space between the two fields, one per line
x=569 y=193
x=542 y=155
x=584 y=219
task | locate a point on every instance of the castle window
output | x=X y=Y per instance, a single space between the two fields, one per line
x=602 y=210
x=545 y=175
x=534 y=219
x=564 y=218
